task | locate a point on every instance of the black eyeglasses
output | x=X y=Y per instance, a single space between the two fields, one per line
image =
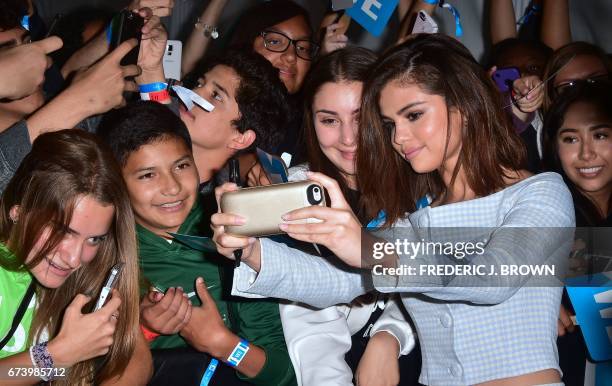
x=279 y=42
x=560 y=88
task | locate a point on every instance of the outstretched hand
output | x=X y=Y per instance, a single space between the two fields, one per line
x=338 y=229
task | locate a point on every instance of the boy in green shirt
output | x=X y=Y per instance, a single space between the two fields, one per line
x=153 y=148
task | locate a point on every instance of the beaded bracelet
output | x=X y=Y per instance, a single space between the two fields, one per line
x=41 y=358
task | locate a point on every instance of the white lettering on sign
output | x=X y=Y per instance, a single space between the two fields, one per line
x=366 y=7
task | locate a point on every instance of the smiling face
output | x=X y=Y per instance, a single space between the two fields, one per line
x=585 y=150
x=417 y=123
x=214 y=130
x=162 y=183
x=335 y=110
x=292 y=69
x=88 y=226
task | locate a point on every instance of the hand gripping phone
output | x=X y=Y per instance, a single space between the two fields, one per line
x=109 y=284
x=127 y=25
x=263 y=206
x=504 y=77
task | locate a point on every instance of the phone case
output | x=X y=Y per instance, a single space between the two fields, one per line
x=504 y=77
x=172 y=59
x=263 y=206
x=127 y=25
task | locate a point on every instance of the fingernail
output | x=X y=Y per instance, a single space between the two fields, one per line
x=199 y=280
x=240 y=220
x=286 y=216
x=283 y=226
x=252 y=240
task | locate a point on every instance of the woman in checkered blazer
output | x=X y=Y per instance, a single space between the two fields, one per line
x=433 y=125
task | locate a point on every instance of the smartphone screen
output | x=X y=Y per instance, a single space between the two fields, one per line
x=125 y=26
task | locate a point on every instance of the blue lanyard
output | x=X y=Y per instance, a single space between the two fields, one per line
x=455 y=12
x=210 y=371
x=531 y=12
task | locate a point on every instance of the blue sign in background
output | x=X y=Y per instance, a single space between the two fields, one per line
x=373 y=15
x=591 y=297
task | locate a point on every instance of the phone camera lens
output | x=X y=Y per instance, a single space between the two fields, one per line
x=315 y=195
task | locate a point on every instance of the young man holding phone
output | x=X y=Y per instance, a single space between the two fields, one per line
x=153 y=148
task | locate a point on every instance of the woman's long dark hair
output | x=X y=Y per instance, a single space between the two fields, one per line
x=599 y=96
x=490 y=148
x=341 y=66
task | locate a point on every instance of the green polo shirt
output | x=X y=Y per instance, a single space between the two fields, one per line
x=172 y=264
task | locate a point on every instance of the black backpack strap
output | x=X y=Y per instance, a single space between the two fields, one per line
x=23 y=306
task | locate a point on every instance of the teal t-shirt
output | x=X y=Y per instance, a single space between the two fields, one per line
x=13 y=286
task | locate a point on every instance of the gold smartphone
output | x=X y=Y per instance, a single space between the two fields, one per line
x=263 y=206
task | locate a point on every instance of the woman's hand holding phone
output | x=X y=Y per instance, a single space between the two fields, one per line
x=85 y=336
x=339 y=229
x=226 y=243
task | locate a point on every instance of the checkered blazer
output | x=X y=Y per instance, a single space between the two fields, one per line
x=499 y=327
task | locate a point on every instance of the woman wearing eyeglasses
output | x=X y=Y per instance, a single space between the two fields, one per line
x=280 y=31
x=574 y=63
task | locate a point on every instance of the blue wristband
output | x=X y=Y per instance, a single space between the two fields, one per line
x=238 y=354
x=432 y=2
x=153 y=87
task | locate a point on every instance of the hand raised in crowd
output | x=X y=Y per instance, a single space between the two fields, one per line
x=152 y=48
x=334 y=38
x=102 y=85
x=379 y=365
x=92 y=91
x=160 y=8
x=167 y=313
x=206 y=331
x=528 y=93
x=226 y=243
x=23 y=67
x=85 y=336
